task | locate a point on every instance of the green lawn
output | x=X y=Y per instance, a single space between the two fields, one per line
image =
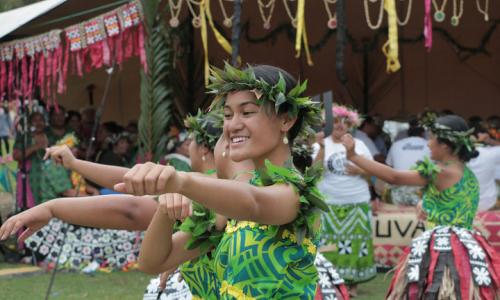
x=374 y=289
x=118 y=285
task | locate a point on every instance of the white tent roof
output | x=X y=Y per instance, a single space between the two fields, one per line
x=15 y=18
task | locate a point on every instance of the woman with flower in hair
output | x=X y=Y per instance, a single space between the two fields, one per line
x=269 y=246
x=346 y=236
x=450 y=260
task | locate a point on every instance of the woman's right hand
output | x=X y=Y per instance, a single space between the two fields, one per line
x=175 y=206
x=348 y=142
x=34 y=219
x=61 y=155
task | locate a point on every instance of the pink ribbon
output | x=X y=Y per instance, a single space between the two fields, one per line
x=428 y=25
x=142 y=48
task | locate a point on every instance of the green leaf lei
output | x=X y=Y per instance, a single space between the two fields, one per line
x=459 y=138
x=205 y=128
x=427 y=169
x=230 y=79
x=305 y=185
x=202 y=227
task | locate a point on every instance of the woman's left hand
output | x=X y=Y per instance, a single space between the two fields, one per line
x=150 y=179
x=175 y=206
x=353 y=170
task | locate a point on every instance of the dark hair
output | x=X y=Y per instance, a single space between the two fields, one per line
x=271 y=75
x=132 y=124
x=301 y=161
x=73 y=113
x=447 y=112
x=112 y=127
x=53 y=110
x=457 y=124
x=34 y=114
x=366 y=121
x=494 y=121
x=415 y=129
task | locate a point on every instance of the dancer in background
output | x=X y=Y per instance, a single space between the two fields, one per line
x=346 y=236
x=450 y=260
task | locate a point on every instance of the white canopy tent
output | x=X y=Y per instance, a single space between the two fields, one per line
x=15 y=18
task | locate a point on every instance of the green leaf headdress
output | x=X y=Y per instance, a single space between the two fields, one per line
x=230 y=79
x=458 y=138
x=205 y=128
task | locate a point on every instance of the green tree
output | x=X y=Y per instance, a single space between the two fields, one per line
x=156 y=84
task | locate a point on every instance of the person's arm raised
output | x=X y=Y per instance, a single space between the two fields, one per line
x=273 y=205
x=379 y=170
x=110 y=212
x=103 y=175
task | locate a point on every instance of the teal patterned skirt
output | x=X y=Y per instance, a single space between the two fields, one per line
x=347 y=240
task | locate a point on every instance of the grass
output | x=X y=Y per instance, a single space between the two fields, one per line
x=374 y=289
x=9 y=266
x=118 y=285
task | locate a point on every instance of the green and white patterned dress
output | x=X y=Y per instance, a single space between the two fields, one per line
x=454 y=206
x=347 y=231
x=257 y=261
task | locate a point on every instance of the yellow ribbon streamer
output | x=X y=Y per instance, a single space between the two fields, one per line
x=390 y=47
x=204 y=40
x=301 y=36
x=206 y=14
x=306 y=46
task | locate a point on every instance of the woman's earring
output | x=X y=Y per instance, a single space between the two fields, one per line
x=285 y=140
x=224 y=154
x=203 y=158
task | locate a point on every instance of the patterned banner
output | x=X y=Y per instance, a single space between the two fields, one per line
x=43 y=60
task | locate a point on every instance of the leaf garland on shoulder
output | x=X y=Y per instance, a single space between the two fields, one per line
x=311 y=200
x=427 y=169
x=205 y=128
x=230 y=79
x=202 y=227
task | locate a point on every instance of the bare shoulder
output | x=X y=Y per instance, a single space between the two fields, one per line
x=449 y=175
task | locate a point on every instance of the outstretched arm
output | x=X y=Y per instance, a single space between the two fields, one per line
x=274 y=205
x=111 y=212
x=103 y=175
x=379 y=170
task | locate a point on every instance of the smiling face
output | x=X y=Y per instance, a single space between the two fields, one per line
x=341 y=126
x=226 y=168
x=38 y=122
x=252 y=133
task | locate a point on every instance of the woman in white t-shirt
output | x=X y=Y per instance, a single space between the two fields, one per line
x=484 y=167
x=346 y=236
